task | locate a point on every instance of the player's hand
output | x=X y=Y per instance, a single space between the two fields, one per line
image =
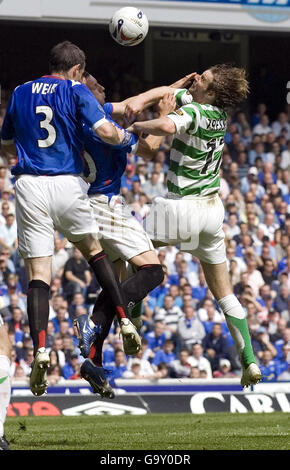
x=134 y=107
x=184 y=82
x=167 y=104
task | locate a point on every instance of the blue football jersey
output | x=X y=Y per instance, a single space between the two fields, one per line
x=44 y=118
x=104 y=163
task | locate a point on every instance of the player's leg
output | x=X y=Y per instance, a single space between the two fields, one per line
x=109 y=281
x=218 y=281
x=124 y=238
x=105 y=317
x=92 y=369
x=36 y=245
x=39 y=277
x=5 y=387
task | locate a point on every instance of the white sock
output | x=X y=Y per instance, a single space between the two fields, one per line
x=231 y=306
x=5 y=390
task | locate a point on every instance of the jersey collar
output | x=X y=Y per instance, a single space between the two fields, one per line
x=52 y=76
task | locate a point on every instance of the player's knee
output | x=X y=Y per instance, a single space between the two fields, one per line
x=156 y=273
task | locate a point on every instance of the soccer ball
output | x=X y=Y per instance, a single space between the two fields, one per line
x=129 y=26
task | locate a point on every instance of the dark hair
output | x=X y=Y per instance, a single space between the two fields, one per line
x=64 y=56
x=229 y=85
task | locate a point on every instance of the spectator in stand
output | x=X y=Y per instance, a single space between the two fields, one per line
x=224 y=370
x=255 y=279
x=61 y=315
x=267 y=271
x=70 y=366
x=120 y=365
x=283 y=365
x=60 y=256
x=166 y=354
x=78 y=300
x=281 y=123
x=49 y=335
x=206 y=306
x=261 y=342
x=55 y=302
x=156 y=337
x=215 y=346
x=197 y=359
x=246 y=181
x=285 y=157
x=268 y=367
x=263 y=127
x=278 y=334
x=77 y=275
x=282 y=300
x=153 y=187
x=183 y=271
x=53 y=357
x=16 y=325
x=268 y=226
x=54 y=375
x=169 y=315
x=127 y=178
x=258 y=151
x=58 y=346
x=26 y=362
x=232 y=228
x=8 y=233
x=190 y=329
x=181 y=366
x=146 y=370
x=279 y=343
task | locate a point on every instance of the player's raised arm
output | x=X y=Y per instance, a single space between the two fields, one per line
x=92 y=114
x=149 y=146
x=135 y=104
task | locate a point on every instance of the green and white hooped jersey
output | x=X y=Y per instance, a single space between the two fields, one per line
x=196 y=151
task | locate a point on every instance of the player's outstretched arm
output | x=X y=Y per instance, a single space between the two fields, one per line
x=149 y=146
x=161 y=126
x=110 y=134
x=136 y=104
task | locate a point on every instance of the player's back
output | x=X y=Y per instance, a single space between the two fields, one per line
x=105 y=163
x=46 y=127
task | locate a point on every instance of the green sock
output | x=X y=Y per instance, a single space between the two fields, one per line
x=240 y=333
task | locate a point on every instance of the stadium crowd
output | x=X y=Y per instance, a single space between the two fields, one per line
x=184 y=334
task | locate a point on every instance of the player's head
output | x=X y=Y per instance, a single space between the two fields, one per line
x=96 y=88
x=68 y=59
x=222 y=85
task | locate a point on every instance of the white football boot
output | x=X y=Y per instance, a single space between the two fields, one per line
x=38 y=382
x=251 y=375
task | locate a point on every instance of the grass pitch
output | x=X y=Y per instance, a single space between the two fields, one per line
x=213 y=431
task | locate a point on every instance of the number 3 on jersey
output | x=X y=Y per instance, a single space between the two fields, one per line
x=46 y=124
x=212 y=147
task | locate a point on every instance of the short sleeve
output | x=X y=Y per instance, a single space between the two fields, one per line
x=88 y=107
x=183 y=96
x=184 y=118
x=108 y=108
x=7 y=131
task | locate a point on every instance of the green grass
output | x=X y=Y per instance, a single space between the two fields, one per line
x=213 y=431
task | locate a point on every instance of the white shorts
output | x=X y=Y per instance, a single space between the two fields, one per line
x=48 y=203
x=193 y=223
x=1 y=321
x=120 y=234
